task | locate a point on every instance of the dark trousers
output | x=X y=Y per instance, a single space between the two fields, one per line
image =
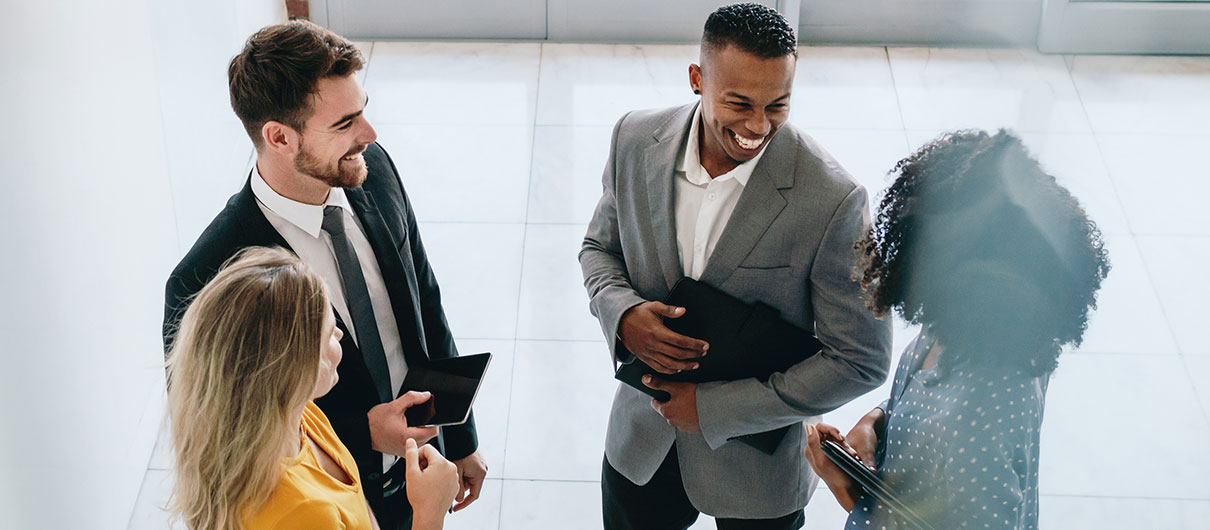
x=662 y=504
x=392 y=509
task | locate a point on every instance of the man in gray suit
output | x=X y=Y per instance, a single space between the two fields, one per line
x=726 y=192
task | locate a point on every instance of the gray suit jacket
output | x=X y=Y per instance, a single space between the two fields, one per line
x=789 y=244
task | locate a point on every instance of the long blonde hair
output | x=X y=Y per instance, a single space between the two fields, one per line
x=243 y=362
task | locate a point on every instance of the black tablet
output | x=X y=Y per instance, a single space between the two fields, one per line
x=871 y=483
x=850 y=464
x=454 y=383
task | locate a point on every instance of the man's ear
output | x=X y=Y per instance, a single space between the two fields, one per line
x=279 y=137
x=695 y=78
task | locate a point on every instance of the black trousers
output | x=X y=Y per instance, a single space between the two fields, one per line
x=662 y=504
x=392 y=509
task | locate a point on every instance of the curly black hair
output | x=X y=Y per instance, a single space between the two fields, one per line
x=977 y=242
x=754 y=28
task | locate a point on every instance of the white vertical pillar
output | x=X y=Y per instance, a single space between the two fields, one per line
x=110 y=109
x=87 y=234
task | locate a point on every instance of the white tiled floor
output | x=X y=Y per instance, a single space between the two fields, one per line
x=502 y=146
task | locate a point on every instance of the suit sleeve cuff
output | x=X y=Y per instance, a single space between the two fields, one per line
x=717 y=428
x=460 y=440
x=612 y=325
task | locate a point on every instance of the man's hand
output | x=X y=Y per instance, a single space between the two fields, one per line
x=681 y=410
x=845 y=489
x=389 y=430
x=471 y=472
x=643 y=332
x=864 y=436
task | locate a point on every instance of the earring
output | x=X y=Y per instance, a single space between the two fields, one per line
x=697 y=91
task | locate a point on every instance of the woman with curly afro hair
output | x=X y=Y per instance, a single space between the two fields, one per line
x=1000 y=266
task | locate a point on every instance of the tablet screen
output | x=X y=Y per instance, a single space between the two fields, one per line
x=454 y=382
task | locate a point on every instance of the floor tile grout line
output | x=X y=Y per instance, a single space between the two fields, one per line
x=544 y=223
x=1117 y=195
x=1155 y=133
x=530 y=339
x=1193 y=383
x=1123 y=497
x=135 y=508
x=886 y=52
x=1167 y=235
x=1171 y=330
x=458 y=125
x=521 y=274
x=1113 y=183
x=369 y=60
x=1123 y=353
x=1156 y=293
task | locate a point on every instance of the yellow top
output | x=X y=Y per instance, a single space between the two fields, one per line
x=307 y=497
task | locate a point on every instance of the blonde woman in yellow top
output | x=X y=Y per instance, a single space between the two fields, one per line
x=253 y=452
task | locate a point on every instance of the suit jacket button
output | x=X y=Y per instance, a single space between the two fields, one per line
x=374 y=476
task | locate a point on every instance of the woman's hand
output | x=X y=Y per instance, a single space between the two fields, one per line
x=843 y=488
x=432 y=484
x=864 y=436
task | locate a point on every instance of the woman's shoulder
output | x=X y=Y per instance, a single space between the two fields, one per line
x=296 y=512
x=292 y=506
x=1005 y=405
x=312 y=414
x=316 y=423
x=995 y=387
x=993 y=382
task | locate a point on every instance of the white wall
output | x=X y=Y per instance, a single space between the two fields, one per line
x=207 y=147
x=117 y=139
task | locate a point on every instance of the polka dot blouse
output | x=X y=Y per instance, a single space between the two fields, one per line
x=960 y=447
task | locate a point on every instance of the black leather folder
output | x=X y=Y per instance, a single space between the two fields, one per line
x=746 y=340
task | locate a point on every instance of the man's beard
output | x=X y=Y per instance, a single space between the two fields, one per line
x=336 y=176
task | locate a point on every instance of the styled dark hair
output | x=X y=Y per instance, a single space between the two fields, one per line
x=753 y=28
x=977 y=242
x=280 y=67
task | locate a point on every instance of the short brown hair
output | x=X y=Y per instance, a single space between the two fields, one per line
x=279 y=68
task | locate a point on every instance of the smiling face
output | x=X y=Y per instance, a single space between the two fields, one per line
x=745 y=100
x=336 y=135
x=329 y=357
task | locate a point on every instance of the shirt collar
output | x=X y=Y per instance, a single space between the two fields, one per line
x=308 y=217
x=691 y=163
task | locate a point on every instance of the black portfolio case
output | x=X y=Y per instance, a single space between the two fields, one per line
x=746 y=340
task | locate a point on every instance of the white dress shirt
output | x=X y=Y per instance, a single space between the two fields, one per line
x=704 y=205
x=301 y=225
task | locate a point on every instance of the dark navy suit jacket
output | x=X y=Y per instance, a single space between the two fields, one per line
x=385 y=213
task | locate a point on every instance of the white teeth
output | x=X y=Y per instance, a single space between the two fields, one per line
x=746 y=143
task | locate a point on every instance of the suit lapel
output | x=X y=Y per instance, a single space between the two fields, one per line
x=759 y=204
x=660 y=161
x=400 y=290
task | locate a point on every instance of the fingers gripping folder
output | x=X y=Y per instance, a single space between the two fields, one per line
x=746 y=340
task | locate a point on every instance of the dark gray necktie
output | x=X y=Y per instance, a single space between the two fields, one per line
x=357 y=296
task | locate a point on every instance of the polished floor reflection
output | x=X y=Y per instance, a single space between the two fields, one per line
x=501 y=147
